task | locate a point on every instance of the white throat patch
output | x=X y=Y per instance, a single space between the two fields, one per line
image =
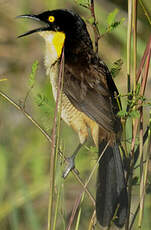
x=54 y=45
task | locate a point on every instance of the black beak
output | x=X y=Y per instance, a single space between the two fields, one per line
x=36 y=18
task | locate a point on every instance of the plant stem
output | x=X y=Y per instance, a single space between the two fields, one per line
x=129 y=32
x=84 y=188
x=147 y=50
x=145 y=174
x=95 y=27
x=46 y=135
x=53 y=147
x=132 y=7
x=145 y=11
x=141 y=168
x=27 y=115
x=134 y=43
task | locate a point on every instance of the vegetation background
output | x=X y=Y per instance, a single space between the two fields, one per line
x=24 y=151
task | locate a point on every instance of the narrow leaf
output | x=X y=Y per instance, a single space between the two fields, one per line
x=116 y=67
x=33 y=73
x=122 y=113
x=82 y=2
x=111 y=17
x=134 y=114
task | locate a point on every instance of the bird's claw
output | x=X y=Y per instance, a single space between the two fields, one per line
x=70 y=167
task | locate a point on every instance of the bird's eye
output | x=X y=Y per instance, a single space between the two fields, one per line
x=51 y=18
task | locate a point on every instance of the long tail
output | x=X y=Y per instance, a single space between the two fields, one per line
x=111 y=194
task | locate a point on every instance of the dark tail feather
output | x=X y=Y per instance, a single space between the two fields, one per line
x=111 y=194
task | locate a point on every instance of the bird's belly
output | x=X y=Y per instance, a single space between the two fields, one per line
x=69 y=113
x=73 y=117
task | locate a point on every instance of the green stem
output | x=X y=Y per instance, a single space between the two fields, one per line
x=134 y=44
x=129 y=32
x=141 y=168
x=132 y=22
x=53 y=147
x=145 y=11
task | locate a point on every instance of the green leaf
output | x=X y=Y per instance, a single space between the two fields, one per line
x=114 y=25
x=116 y=67
x=91 y=20
x=82 y=2
x=93 y=149
x=44 y=104
x=122 y=113
x=138 y=88
x=111 y=22
x=111 y=17
x=41 y=100
x=33 y=73
x=134 y=113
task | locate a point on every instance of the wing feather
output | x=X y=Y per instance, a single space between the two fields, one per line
x=91 y=98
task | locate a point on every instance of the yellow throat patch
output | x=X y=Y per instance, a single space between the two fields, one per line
x=58 y=42
x=54 y=41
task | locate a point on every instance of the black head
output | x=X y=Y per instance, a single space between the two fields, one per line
x=66 y=21
x=57 y=20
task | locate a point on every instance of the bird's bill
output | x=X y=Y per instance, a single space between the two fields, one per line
x=36 y=18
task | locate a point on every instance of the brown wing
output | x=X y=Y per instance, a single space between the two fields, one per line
x=92 y=97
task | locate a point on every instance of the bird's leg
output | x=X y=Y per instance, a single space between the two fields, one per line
x=71 y=163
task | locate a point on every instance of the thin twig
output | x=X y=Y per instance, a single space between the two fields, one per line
x=145 y=11
x=145 y=174
x=142 y=63
x=133 y=6
x=142 y=91
x=141 y=156
x=27 y=115
x=129 y=32
x=77 y=202
x=27 y=95
x=139 y=165
x=46 y=135
x=92 y=221
x=53 y=146
x=134 y=217
x=134 y=44
x=95 y=27
x=147 y=55
x=143 y=193
x=145 y=77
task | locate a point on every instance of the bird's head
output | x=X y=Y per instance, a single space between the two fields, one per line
x=60 y=27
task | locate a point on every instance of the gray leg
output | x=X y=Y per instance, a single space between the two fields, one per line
x=71 y=163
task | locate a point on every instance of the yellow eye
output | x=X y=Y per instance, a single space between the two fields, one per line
x=51 y=18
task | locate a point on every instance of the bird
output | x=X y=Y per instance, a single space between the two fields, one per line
x=89 y=102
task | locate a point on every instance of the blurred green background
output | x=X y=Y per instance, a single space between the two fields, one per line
x=24 y=151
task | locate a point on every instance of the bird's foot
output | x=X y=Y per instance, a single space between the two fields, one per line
x=70 y=166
